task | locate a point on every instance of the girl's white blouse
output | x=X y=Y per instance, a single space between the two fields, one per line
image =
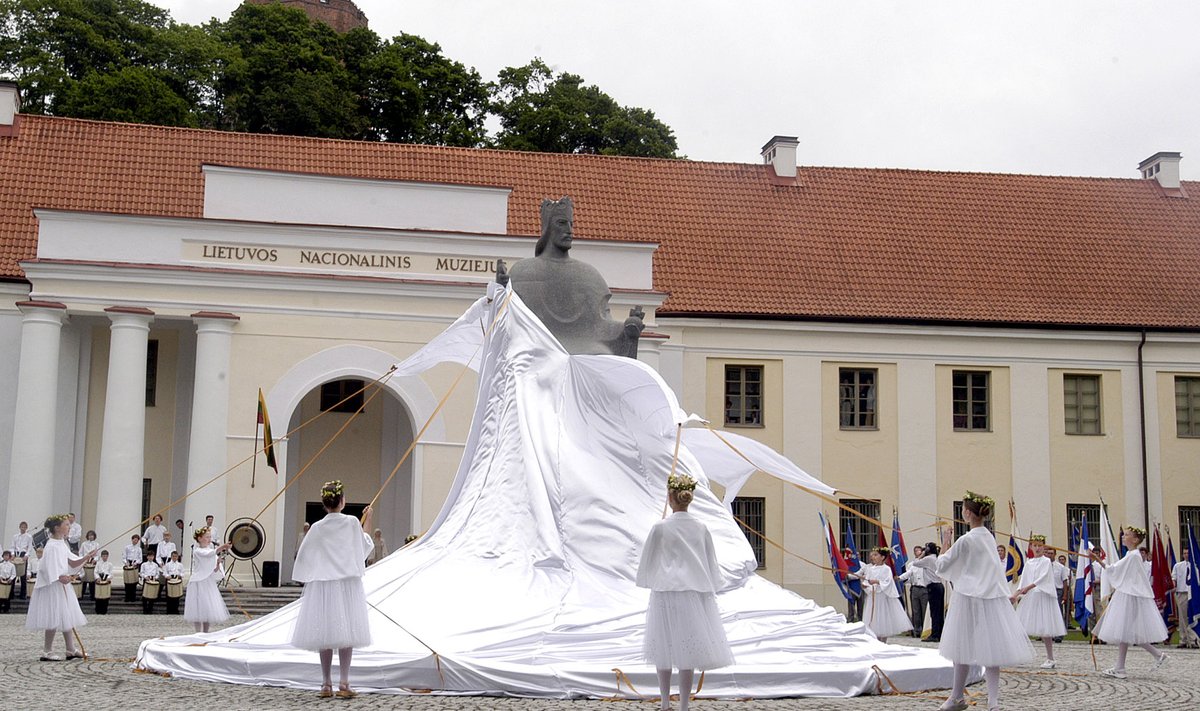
x=972 y=566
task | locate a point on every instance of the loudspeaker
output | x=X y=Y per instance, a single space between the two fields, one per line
x=270 y=572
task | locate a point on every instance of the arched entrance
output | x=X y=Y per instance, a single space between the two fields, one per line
x=363 y=456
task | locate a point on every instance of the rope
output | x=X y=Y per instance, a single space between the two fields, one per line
x=306 y=423
x=437 y=658
x=622 y=677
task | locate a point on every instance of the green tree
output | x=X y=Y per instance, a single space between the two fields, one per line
x=539 y=111
x=61 y=51
x=411 y=93
x=286 y=75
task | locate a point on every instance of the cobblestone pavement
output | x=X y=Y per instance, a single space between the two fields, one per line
x=112 y=641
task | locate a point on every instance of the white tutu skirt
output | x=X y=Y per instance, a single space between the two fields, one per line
x=1132 y=620
x=885 y=616
x=684 y=631
x=1040 y=615
x=54 y=607
x=984 y=632
x=203 y=602
x=333 y=615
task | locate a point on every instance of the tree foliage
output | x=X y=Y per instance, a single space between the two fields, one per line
x=542 y=112
x=269 y=69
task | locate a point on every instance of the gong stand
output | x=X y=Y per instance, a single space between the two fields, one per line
x=247 y=539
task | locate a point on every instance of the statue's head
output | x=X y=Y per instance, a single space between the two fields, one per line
x=558 y=225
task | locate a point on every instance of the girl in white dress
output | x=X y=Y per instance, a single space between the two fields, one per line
x=982 y=628
x=1038 y=608
x=683 y=625
x=882 y=610
x=53 y=606
x=203 y=605
x=333 y=609
x=1131 y=616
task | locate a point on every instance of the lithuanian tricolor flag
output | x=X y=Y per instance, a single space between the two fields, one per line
x=265 y=421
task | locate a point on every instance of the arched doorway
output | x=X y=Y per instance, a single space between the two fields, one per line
x=364 y=455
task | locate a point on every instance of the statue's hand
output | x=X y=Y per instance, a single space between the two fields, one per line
x=635 y=324
x=501 y=273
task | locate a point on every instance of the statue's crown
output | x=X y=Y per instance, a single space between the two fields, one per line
x=562 y=206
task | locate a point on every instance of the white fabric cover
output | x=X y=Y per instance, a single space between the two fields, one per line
x=524 y=584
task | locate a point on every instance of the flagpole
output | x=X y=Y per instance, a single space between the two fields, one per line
x=254 y=466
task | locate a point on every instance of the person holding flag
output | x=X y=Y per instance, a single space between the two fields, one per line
x=850 y=553
x=1132 y=617
x=1182 y=574
x=899 y=554
x=1085 y=579
x=1038 y=608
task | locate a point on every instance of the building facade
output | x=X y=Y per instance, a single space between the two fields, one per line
x=903 y=335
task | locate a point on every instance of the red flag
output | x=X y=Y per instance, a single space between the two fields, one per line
x=883 y=543
x=1160 y=574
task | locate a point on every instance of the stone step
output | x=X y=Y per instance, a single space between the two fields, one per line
x=255 y=601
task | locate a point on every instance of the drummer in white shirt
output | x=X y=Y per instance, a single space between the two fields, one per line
x=22 y=542
x=164 y=549
x=74 y=533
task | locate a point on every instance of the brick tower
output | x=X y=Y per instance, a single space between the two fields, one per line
x=341 y=15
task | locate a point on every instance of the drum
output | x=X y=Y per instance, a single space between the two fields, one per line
x=21 y=562
x=150 y=589
x=6 y=591
x=131 y=575
x=103 y=589
x=89 y=572
x=175 y=588
x=77 y=586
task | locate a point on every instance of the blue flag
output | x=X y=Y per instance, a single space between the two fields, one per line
x=899 y=556
x=836 y=561
x=852 y=562
x=1016 y=560
x=1084 y=579
x=1193 y=606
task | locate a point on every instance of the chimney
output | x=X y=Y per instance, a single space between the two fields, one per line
x=1163 y=167
x=780 y=154
x=10 y=104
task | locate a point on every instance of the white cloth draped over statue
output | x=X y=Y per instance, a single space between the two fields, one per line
x=524 y=584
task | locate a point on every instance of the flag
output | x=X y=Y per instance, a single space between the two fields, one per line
x=265 y=421
x=1172 y=614
x=1108 y=548
x=1160 y=574
x=1085 y=580
x=898 y=552
x=1016 y=561
x=853 y=563
x=837 y=562
x=1193 y=606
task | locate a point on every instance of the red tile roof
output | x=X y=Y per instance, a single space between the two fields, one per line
x=844 y=244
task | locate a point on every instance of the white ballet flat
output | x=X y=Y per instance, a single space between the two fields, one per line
x=951 y=705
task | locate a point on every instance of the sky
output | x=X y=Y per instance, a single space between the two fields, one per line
x=1061 y=87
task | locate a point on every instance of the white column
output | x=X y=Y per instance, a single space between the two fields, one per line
x=31 y=474
x=123 y=442
x=207 y=448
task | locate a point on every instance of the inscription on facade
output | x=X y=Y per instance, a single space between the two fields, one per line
x=339 y=260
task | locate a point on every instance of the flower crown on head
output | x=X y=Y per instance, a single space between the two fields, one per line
x=1141 y=532
x=333 y=488
x=1037 y=538
x=883 y=551
x=56 y=519
x=681 y=482
x=980 y=499
x=199 y=532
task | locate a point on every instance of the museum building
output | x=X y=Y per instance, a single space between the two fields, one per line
x=902 y=335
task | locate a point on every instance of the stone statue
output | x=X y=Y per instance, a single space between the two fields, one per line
x=569 y=296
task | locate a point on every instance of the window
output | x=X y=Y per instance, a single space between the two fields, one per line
x=743 y=395
x=342 y=396
x=1077 y=513
x=856 y=398
x=971 y=401
x=1189 y=516
x=151 y=371
x=865 y=533
x=1187 y=406
x=1081 y=404
x=960 y=523
x=750 y=513
x=146 y=499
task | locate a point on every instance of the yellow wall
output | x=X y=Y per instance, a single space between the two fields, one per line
x=979 y=461
x=1179 y=456
x=862 y=462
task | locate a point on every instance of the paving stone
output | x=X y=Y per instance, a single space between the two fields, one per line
x=112 y=641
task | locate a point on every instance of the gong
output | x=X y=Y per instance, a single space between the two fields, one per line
x=246 y=538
